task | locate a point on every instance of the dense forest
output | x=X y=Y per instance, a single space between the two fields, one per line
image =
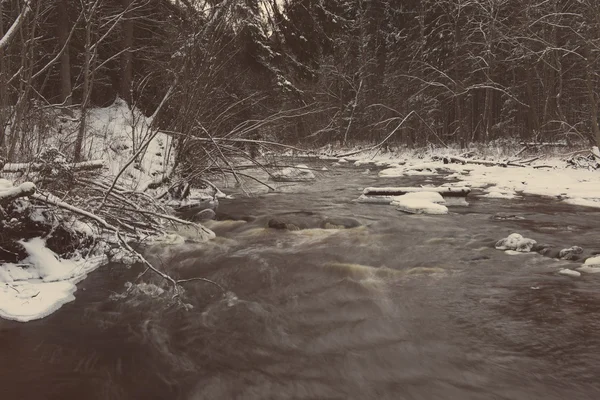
x=304 y=71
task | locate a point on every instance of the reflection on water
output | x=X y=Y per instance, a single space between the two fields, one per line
x=403 y=307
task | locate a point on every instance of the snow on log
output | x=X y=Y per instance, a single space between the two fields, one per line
x=458 y=191
x=544 y=144
x=11 y=193
x=55 y=201
x=35 y=167
x=374 y=199
x=462 y=160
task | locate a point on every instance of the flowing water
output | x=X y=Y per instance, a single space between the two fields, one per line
x=403 y=307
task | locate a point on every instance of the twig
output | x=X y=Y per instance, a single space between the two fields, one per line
x=382 y=142
x=49 y=200
x=146 y=262
x=204 y=280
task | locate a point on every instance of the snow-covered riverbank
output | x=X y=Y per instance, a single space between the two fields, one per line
x=35 y=281
x=548 y=175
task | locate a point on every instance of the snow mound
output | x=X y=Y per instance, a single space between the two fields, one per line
x=42 y=283
x=113 y=129
x=580 y=201
x=516 y=242
x=299 y=173
x=421 y=172
x=392 y=172
x=588 y=269
x=420 y=203
x=500 y=193
x=595 y=261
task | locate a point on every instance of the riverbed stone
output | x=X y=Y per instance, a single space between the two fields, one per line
x=516 y=242
x=571 y=254
x=299 y=173
x=302 y=221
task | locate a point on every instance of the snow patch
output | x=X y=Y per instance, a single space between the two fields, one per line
x=515 y=253
x=593 y=261
x=433 y=197
x=588 y=269
x=500 y=193
x=420 y=203
x=580 y=201
x=42 y=283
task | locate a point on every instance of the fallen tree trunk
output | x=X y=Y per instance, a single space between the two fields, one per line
x=543 y=144
x=36 y=167
x=480 y=162
x=10 y=194
x=458 y=191
x=55 y=201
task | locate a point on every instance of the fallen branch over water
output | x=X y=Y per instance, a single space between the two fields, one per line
x=458 y=191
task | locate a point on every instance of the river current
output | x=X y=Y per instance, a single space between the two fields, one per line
x=402 y=307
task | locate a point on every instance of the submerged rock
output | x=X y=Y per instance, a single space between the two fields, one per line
x=205 y=215
x=189 y=208
x=299 y=173
x=506 y=217
x=339 y=223
x=300 y=222
x=571 y=254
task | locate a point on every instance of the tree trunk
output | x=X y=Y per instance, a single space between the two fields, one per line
x=63 y=28
x=3 y=79
x=127 y=55
x=86 y=83
x=589 y=78
x=534 y=122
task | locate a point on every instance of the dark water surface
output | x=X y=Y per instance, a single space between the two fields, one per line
x=405 y=307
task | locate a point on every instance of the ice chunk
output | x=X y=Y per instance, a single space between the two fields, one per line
x=569 y=272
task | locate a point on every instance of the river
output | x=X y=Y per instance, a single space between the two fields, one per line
x=403 y=307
